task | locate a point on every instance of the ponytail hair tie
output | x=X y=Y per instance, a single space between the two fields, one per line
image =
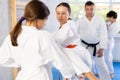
x=22 y=18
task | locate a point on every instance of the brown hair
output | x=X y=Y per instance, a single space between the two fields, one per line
x=65 y=5
x=34 y=10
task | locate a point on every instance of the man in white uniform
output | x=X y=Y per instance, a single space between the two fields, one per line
x=112 y=28
x=93 y=33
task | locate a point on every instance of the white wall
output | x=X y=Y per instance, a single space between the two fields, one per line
x=5 y=21
x=5 y=25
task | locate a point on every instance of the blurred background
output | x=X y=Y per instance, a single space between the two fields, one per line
x=12 y=10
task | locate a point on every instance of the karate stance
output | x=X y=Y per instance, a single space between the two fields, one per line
x=29 y=47
x=68 y=40
x=93 y=35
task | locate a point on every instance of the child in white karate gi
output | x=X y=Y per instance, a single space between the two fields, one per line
x=112 y=29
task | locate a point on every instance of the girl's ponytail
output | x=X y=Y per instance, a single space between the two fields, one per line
x=16 y=31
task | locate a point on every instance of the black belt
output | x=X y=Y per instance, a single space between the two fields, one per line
x=91 y=45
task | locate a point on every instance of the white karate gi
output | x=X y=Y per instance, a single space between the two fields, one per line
x=35 y=51
x=79 y=56
x=95 y=31
x=112 y=31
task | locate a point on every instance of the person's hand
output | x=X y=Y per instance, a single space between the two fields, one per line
x=100 y=52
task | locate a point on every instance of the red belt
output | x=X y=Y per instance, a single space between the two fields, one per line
x=71 y=46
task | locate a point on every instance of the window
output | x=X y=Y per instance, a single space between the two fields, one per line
x=102 y=7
